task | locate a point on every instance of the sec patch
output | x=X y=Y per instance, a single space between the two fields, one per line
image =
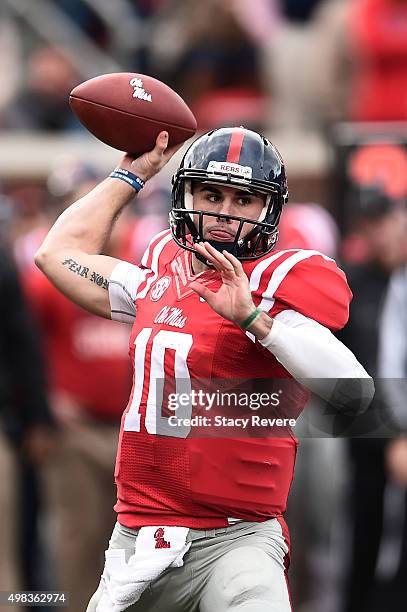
x=159 y=288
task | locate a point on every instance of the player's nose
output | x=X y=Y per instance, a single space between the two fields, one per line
x=226 y=207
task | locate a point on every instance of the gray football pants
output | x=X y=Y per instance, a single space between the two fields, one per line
x=239 y=568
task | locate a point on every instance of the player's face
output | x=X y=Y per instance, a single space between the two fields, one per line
x=226 y=201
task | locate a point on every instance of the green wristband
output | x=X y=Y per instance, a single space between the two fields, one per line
x=251 y=318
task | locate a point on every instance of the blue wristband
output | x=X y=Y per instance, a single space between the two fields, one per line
x=128 y=177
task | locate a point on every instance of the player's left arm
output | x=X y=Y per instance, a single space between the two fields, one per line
x=306 y=349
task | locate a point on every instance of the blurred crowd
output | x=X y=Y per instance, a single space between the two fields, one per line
x=280 y=63
x=294 y=66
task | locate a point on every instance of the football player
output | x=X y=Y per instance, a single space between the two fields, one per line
x=200 y=517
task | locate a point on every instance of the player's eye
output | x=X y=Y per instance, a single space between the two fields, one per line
x=244 y=201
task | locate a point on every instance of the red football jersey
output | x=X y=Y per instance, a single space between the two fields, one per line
x=195 y=478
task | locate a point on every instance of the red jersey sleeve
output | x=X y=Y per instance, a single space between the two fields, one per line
x=310 y=283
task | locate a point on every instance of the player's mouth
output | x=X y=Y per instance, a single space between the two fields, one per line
x=221 y=235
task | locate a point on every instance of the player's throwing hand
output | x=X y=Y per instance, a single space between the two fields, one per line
x=150 y=163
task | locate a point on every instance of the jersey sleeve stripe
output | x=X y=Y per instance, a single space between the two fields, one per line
x=257 y=272
x=145 y=286
x=147 y=257
x=281 y=272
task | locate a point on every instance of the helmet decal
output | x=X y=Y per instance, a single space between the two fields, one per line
x=235 y=146
x=230 y=168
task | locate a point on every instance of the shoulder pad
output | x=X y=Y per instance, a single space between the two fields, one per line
x=161 y=247
x=306 y=281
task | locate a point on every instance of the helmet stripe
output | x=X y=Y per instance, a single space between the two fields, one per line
x=235 y=146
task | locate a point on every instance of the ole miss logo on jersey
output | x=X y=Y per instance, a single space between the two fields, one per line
x=160 y=542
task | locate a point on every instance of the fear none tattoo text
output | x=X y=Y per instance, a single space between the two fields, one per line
x=93 y=277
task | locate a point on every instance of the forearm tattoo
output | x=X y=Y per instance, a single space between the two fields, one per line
x=93 y=277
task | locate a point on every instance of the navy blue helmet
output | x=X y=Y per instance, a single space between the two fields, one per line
x=235 y=157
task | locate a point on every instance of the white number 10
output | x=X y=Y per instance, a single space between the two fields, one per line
x=155 y=423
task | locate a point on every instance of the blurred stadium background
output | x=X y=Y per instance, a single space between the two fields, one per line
x=326 y=80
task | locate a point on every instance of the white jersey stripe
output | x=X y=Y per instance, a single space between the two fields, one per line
x=258 y=270
x=281 y=272
x=154 y=264
x=146 y=255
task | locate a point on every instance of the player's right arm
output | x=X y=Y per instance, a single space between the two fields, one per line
x=70 y=254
